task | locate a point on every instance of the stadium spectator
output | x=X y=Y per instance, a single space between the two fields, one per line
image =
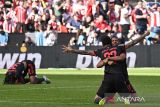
x=1 y=17
x=118 y=4
x=87 y=24
x=1 y=4
x=40 y=34
x=30 y=24
x=37 y=5
x=29 y=41
x=68 y=7
x=92 y=37
x=81 y=38
x=90 y=5
x=99 y=9
x=50 y=38
x=21 y=15
x=125 y=20
x=29 y=7
x=48 y=9
x=12 y=19
x=117 y=33
x=62 y=27
x=17 y=73
x=113 y=16
x=75 y=24
x=154 y=23
x=141 y=18
x=52 y=24
x=101 y=25
x=104 y=4
x=79 y=10
x=3 y=37
x=8 y=3
x=58 y=9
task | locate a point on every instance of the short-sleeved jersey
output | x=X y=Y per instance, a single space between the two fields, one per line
x=21 y=71
x=18 y=69
x=30 y=69
x=112 y=51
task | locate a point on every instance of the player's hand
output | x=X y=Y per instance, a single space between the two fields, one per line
x=101 y=63
x=110 y=62
x=105 y=61
x=66 y=49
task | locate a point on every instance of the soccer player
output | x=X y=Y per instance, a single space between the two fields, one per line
x=115 y=42
x=112 y=82
x=113 y=74
x=17 y=72
x=92 y=53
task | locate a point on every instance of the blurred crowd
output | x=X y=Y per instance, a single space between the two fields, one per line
x=86 y=18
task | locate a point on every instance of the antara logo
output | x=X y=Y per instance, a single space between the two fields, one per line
x=8 y=59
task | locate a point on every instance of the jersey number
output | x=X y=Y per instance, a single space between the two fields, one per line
x=110 y=54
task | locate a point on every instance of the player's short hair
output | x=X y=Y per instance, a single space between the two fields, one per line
x=106 y=40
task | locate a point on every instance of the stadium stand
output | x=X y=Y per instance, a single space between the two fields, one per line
x=91 y=16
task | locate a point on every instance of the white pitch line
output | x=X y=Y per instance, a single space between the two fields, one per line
x=46 y=99
x=42 y=102
x=81 y=87
x=67 y=103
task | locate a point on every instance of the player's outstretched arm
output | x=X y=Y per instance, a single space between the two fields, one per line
x=134 y=42
x=67 y=49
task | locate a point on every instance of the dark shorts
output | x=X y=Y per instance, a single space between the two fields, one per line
x=111 y=84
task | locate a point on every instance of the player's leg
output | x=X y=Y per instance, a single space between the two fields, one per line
x=26 y=80
x=132 y=91
x=130 y=87
x=35 y=80
x=105 y=93
x=100 y=93
x=32 y=75
x=121 y=88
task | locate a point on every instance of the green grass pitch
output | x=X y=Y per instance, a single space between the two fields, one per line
x=77 y=88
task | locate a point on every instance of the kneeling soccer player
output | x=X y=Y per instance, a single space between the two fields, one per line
x=17 y=72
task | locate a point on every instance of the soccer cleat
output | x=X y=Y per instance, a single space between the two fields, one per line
x=102 y=102
x=46 y=79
